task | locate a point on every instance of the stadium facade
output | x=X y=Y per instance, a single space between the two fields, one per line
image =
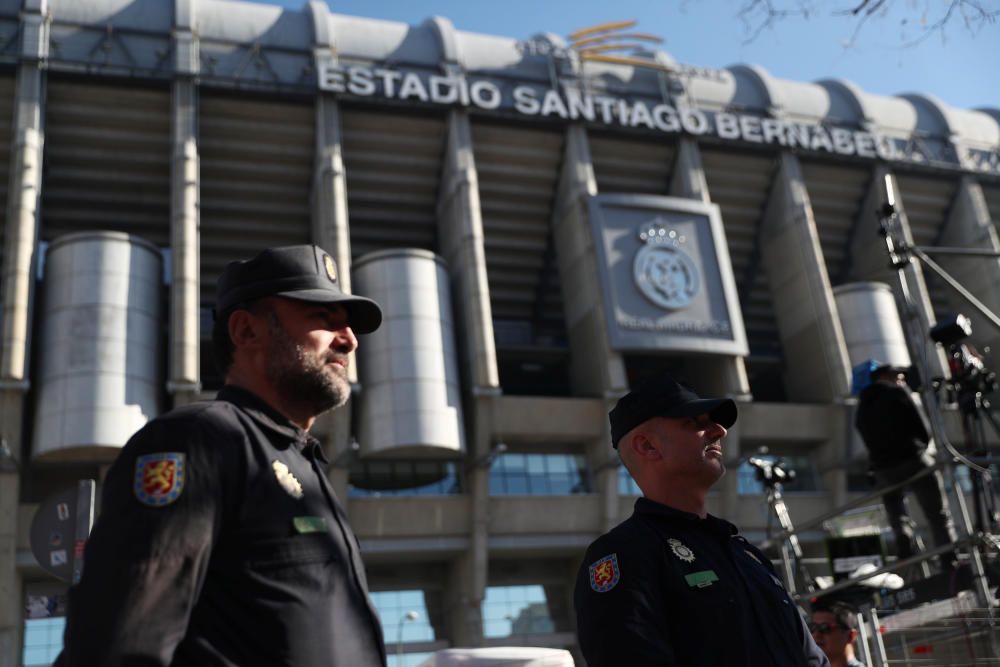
x=589 y=222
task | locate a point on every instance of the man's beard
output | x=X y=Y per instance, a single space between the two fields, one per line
x=304 y=378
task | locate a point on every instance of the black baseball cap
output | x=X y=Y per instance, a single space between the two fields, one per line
x=663 y=396
x=301 y=272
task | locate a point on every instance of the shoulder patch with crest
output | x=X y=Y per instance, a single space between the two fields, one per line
x=605 y=574
x=159 y=478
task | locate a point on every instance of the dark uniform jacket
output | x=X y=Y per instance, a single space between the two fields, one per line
x=220 y=542
x=890 y=425
x=670 y=589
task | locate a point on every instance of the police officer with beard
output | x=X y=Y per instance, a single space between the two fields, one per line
x=220 y=540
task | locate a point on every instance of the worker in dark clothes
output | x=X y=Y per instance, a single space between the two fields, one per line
x=673 y=586
x=220 y=541
x=898 y=448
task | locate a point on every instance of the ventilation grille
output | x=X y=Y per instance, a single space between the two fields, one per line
x=518 y=173
x=631 y=165
x=740 y=185
x=927 y=202
x=393 y=164
x=107 y=160
x=837 y=194
x=256 y=174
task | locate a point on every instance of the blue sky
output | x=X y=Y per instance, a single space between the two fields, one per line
x=956 y=66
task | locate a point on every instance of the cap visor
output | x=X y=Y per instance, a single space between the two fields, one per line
x=363 y=315
x=721 y=410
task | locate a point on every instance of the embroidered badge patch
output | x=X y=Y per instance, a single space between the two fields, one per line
x=286 y=479
x=159 y=478
x=681 y=551
x=604 y=574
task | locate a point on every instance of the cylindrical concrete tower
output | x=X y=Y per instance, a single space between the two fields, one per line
x=411 y=397
x=871 y=325
x=99 y=345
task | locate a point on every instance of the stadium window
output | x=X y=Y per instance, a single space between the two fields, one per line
x=539 y=474
x=516 y=611
x=43 y=640
x=627 y=485
x=405 y=620
x=377 y=479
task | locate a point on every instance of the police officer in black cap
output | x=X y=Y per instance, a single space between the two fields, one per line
x=673 y=586
x=220 y=540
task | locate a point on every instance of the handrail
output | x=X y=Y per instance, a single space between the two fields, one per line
x=874 y=495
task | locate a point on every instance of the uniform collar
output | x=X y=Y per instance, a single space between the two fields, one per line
x=272 y=421
x=652 y=508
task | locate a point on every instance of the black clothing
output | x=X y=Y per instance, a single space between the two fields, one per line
x=890 y=425
x=251 y=563
x=681 y=591
x=896 y=439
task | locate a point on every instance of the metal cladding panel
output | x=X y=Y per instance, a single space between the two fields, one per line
x=518 y=175
x=872 y=329
x=631 y=165
x=111 y=36
x=837 y=194
x=393 y=163
x=411 y=405
x=256 y=177
x=107 y=160
x=99 y=380
x=740 y=185
x=927 y=202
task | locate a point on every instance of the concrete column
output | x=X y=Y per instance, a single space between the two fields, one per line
x=331 y=231
x=595 y=369
x=185 y=296
x=871 y=262
x=817 y=366
x=21 y=234
x=460 y=226
x=969 y=226
x=17 y=278
x=719 y=374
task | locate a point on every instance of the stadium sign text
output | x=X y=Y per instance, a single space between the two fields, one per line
x=572 y=103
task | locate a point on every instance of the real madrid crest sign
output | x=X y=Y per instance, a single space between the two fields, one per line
x=663 y=272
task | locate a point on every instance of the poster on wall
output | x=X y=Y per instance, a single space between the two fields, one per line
x=665 y=274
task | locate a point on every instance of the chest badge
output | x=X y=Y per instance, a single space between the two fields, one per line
x=286 y=479
x=681 y=551
x=159 y=478
x=605 y=574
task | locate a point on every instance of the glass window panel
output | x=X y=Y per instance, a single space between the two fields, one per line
x=403 y=478
x=627 y=485
x=536 y=464
x=516 y=610
x=539 y=474
x=408 y=659
x=517 y=485
x=43 y=640
x=394 y=610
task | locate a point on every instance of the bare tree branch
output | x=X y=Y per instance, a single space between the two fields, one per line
x=759 y=16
